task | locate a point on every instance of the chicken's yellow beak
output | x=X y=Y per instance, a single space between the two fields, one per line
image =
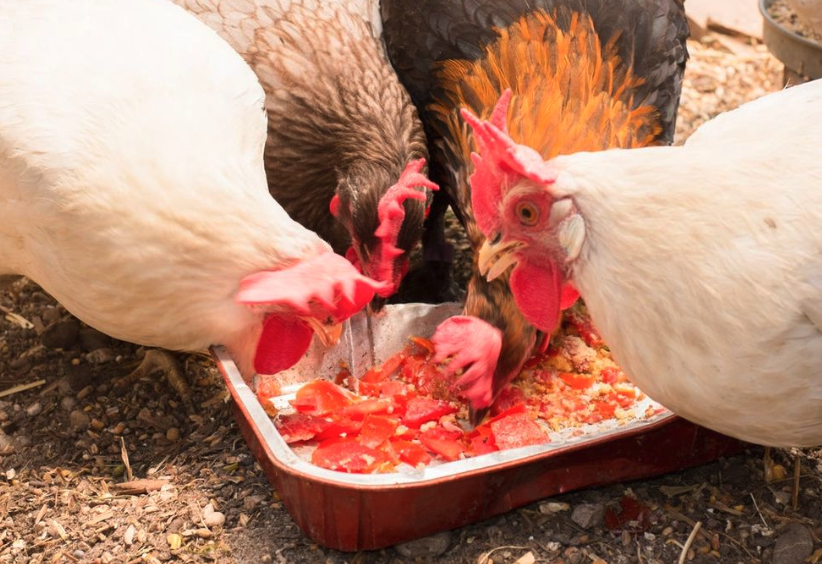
x=329 y=335
x=495 y=258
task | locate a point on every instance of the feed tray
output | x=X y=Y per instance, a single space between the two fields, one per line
x=352 y=512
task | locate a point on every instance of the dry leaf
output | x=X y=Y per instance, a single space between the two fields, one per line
x=174 y=541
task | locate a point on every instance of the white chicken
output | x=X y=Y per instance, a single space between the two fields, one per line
x=700 y=265
x=132 y=185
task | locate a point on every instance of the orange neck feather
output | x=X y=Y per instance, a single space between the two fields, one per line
x=570 y=93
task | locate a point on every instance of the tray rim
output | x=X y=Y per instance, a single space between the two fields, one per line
x=285 y=460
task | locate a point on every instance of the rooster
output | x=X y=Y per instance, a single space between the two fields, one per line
x=132 y=186
x=698 y=264
x=585 y=75
x=344 y=139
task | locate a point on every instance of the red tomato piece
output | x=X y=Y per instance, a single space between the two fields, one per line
x=300 y=427
x=425 y=344
x=337 y=427
x=577 y=381
x=376 y=429
x=347 y=455
x=411 y=453
x=369 y=389
x=482 y=440
x=611 y=375
x=360 y=409
x=423 y=410
x=388 y=368
x=393 y=388
x=320 y=397
x=604 y=408
x=444 y=443
x=508 y=398
x=516 y=431
x=513 y=410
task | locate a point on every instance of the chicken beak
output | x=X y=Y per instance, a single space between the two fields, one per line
x=329 y=335
x=495 y=258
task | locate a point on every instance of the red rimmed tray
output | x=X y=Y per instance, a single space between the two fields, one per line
x=351 y=512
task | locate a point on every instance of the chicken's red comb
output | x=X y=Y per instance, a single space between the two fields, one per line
x=325 y=286
x=499 y=159
x=391 y=214
x=474 y=345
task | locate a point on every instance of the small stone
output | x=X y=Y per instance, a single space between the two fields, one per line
x=85 y=392
x=100 y=356
x=427 y=547
x=92 y=339
x=266 y=559
x=97 y=425
x=128 y=537
x=61 y=334
x=78 y=420
x=68 y=403
x=212 y=518
x=794 y=545
x=588 y=516
x=173 y=434
x=549 y=507
x=203 y=533
x=34 y=409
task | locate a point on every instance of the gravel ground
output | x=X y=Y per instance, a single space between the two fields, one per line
x=90 y=472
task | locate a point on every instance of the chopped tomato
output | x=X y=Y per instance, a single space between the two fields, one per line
x=611 y=375
x=411 y=453
x=423 y=410
x=388 y=368
x=425 y=344
x=625 y=390
x=604 y=408
x=482 y=440
x=338 y=427
x=320 y=397
x=516 y=431
x=447 y=444
x=370 y=389
x=509 y=397
x=300 y=427
x=578 y=381
x=513 y=410
x=360 y=409
x=347 y=455
x=393 y=388
x=376 y=429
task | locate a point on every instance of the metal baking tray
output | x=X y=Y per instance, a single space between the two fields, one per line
x=352 y=512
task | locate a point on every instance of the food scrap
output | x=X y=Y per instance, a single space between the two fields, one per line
x=408 y=412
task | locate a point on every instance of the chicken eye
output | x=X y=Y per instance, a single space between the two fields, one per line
x=527 y=213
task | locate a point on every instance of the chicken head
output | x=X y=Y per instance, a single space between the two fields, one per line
x=381 y=252
x=521 y=220
x=314 y=296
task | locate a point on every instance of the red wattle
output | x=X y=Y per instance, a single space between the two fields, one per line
x=282 y=344
x=539 y=294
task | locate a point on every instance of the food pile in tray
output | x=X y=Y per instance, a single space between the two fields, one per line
x=407 y=412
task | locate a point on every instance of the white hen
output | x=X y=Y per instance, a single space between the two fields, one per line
x=700 y=265
x=132 y=185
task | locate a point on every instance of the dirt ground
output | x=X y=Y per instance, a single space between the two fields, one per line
x=90 y=472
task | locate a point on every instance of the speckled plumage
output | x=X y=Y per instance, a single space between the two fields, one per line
x=338 y=118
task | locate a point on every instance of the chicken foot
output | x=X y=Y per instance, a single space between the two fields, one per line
x=159 y=360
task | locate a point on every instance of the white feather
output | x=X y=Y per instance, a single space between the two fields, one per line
x=702 y=267
x=131 y=175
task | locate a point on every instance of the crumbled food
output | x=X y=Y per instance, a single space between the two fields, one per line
x=408 y=412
